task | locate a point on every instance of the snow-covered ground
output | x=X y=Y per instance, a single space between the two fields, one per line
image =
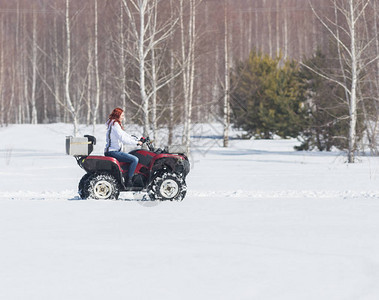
x=260 y=221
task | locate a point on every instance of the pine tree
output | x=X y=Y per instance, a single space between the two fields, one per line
x=268 y=97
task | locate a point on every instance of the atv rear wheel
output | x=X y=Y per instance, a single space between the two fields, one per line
x=83 y=193
x=101 y=186
x=167 y=186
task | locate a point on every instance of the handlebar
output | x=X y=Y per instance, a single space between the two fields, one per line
x=148 y=143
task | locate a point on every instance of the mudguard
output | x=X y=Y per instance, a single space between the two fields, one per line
x=99 y=164
x=176 y=164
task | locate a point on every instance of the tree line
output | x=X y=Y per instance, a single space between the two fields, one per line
x=326 y=100
x=98 y=42
x=174 y=62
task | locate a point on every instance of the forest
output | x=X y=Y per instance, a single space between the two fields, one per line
x=180 y=62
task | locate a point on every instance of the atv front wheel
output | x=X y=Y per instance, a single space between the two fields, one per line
x=167 y=186
x=100 y=186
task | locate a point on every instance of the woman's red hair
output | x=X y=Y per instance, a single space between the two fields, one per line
x=115 y=116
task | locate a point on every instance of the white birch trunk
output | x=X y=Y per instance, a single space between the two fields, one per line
x=12 y=99
x=374 y=134
x=24 y=105
x=154 y=75
x=122 y=58
x=171 y=103
x=185 y=73
x=34 y=71
x=171 y=87
x=70 y=106
x=154 y=95
x=278 y=31
x=250 y=34
x=56 y=73
x=97 y=77
x=89 y=81
x=188 y=59
x=192 y=71
x=353 y=95
x=269 y=33
x=242 y=46
x=285 y=34
x=45 y=117
x=17 y=115
x=226 y=79
x=256 y=27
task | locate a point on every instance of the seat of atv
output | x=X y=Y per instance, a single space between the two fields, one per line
x=108 y=158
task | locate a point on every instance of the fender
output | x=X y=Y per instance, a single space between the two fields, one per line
x=177 y=164
x=98 y=164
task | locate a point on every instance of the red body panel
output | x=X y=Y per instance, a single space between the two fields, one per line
x=123 y=166
x=108 y=158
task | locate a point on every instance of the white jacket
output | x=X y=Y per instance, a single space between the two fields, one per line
x=116 y=137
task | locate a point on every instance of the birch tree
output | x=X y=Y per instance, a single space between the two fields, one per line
x=56 y=71
x=138 y=29
x=188 y=44
x=122 y=56
x=73 y=82
x=23 y=104
x=34 y=63
x=145 y=37
x=369 y=91
x=171 y=85
x=69 y=103
x=154 y=72
x=89 y=78
x=375 y=126
x=97 y=77
x=346 y=31
x=226 y=78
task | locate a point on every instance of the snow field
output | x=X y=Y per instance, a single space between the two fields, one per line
x=260 y=221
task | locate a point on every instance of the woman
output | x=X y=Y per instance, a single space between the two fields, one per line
x=116 y=137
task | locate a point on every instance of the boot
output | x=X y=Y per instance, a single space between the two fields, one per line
x=129 y=183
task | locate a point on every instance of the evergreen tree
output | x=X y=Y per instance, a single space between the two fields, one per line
x=268 y=97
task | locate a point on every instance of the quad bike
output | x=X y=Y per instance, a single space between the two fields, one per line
x=159 y=173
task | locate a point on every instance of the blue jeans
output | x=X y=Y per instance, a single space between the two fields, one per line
x=125 y=157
